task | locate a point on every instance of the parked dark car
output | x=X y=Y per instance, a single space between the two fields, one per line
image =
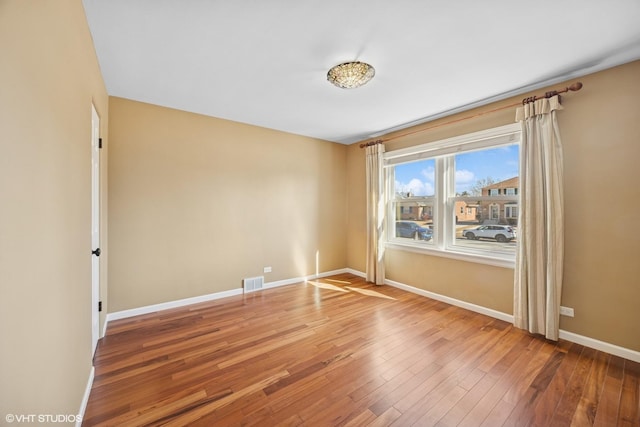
x=413 y=231
x=501 y=233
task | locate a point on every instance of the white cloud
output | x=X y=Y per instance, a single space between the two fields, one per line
x=464 y=176
x=429 y=174
x=464 y=180
x=416 y=187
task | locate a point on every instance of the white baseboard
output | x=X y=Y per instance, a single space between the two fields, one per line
x=458 y=303
x=356 y=272
x=606 y=347
x=170 y=304
x=268 y=285
x=117 y=315
x=85 y=398
x=104 y=327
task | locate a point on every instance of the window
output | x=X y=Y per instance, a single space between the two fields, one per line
x=465 y=191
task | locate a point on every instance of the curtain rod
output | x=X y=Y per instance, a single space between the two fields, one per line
x=573 y=88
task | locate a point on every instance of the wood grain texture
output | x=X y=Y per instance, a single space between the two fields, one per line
x=342 y=352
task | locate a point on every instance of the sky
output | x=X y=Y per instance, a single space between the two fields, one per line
x=497 y=163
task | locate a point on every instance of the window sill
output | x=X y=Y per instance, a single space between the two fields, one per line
x=496 y=260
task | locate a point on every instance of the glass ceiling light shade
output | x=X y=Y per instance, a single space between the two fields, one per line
x=351 y=75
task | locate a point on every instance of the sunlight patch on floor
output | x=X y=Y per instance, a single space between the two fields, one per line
x=370 y=293
x=367 y=292
x=338 y=281
x=327 y=286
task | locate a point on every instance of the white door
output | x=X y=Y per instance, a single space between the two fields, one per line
x=95 y=227
x=495 y=212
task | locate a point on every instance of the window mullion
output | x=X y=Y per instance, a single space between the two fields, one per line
x=391 y=202
x=440 y=208
x=449 y=189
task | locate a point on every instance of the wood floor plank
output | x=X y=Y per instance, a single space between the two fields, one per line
x=609 y=404
x=510 y=355
x=524 y=408
x=588 y=406
x=512 y=376
x=498 y=415
x=386 y=418
x=548 y=403
x=344 y=352
x=431 y=414
x=458 y=372
x=573 y=390
x=364 y=418
x=629 y=414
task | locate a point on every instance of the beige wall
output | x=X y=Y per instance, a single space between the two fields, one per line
x=600 y=128
x=199 y=203
x=49 y=76
x=196 y=204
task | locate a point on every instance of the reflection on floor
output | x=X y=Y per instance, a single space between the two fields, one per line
x=337 y=281
x=367 y=292
x=326 y=286
x=370 y=293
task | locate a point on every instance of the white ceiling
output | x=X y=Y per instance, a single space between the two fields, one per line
x=264 y=62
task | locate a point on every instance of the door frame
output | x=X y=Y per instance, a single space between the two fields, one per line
x=95 y=227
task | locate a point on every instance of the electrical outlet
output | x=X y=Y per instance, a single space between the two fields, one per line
x=566 y=311
x=267 y=269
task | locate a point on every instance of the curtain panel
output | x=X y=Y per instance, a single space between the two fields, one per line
x=375 y=214
x=540 y=256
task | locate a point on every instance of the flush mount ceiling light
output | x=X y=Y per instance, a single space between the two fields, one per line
x=351 y=75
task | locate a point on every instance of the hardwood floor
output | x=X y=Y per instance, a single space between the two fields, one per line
x=339 y=351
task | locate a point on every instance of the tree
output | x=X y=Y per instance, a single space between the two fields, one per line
x=476 y=189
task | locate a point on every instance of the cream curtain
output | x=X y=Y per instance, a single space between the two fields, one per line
x=539 y=261
x=375 y=214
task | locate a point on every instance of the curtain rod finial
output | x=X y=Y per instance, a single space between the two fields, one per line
x=575 y=87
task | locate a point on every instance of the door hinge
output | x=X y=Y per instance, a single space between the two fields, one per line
x=99 y=305
x=99 y=142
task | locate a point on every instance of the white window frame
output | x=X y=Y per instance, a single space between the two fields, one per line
x=442 y=243
x=508 y=210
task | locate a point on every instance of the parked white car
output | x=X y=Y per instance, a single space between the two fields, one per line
x=500 y=233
